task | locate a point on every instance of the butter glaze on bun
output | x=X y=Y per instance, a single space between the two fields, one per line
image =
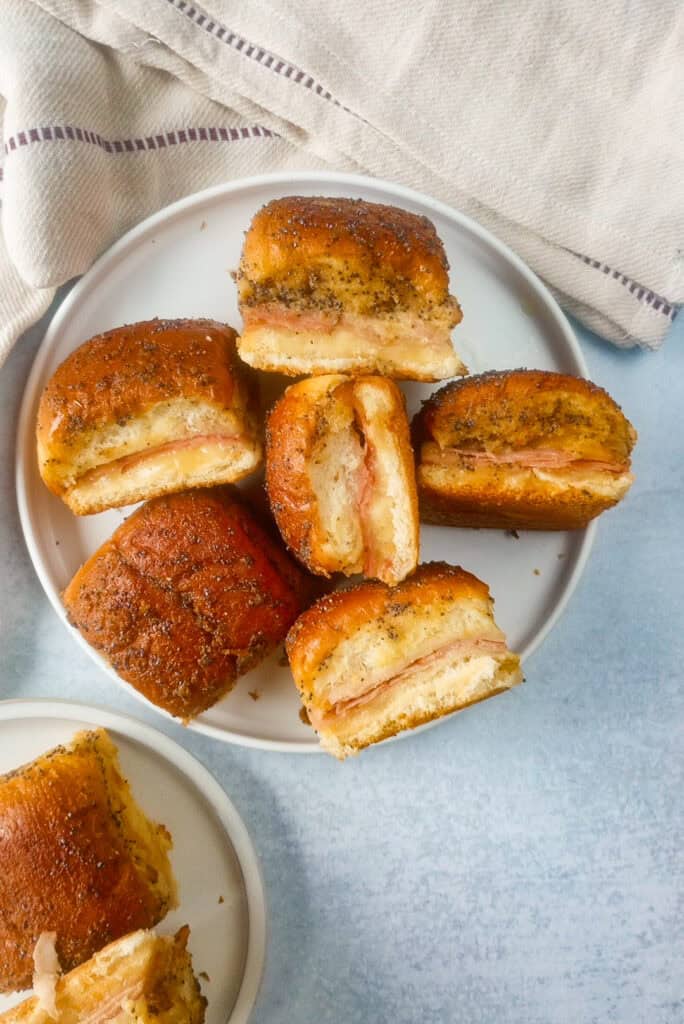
x=330 y=285
x=341 y=478
x=147 y=409
x=374 y=660
x=526 y=449
x=187 y=595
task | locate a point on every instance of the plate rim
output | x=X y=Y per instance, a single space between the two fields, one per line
x=169 y=750
x=110 y=258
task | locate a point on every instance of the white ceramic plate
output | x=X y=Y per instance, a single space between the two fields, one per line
x=227 y=939
x=177 y=264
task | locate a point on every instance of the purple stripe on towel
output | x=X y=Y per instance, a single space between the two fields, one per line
x=135 y=145
x=255 y=52
x=658 y=303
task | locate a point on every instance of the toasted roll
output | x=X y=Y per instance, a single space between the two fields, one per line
x=78 y=857
x=187 y=595
x=142 y=978
x=341 y=479
x=147 y=409
x=374 y=660
x=345 y=286
x=525 y=449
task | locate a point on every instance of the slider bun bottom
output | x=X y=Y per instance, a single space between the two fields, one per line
x=162 y=472
x=492 y=497
x=140 y=979
x=439 y=690
x=345 y=350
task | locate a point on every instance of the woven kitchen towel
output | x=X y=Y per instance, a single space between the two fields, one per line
x=557 y=126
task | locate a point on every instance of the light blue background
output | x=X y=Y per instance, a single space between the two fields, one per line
x=520 y=864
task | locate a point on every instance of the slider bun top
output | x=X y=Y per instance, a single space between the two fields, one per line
x=383 y=255
x=135 y=388
x=318 y=632
x=522 y=409
x=188 y=594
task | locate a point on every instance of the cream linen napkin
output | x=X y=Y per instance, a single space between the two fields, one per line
x=557 y=126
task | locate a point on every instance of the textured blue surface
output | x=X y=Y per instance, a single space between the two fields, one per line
x=520 y=864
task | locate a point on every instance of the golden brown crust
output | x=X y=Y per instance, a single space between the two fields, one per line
x=317 y=632
x=376 y=242
x=115 y=375
x=187 y=370
x=296 y=424
x=66 y=862
x=187 y=595
x=526 y=411
x=511 y=409
x=290 y=430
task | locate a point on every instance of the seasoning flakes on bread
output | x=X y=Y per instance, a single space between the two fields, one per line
x=77 y=857
x=341 y=478
x=526 y=449
x=372 y=661
x=333 y=285
x=147 y=409
x=187 y=595
x=142 y=978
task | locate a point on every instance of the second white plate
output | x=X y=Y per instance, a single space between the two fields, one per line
x=220 y=890
x=177 y=264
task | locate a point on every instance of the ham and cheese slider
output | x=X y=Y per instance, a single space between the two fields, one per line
x=344 y=286
x=78 y=858
x=341 y=478
x=521 y=448
x=144 y=410
x=142 y=978
x=374 y=660
x=187 y=595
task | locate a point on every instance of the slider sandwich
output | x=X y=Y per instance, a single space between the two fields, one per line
x=142 y=978
x=188 y=594
x=331 y=285
x=526 y=449
x=147 y=409
x=341 y=478
x=374 y=660
x=78 y=857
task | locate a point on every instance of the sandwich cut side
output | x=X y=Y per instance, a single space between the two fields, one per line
x=334 y=285
x=142 y=978
x=340 y=477
x=522 y=448
x=144 y=410
x=373 y=661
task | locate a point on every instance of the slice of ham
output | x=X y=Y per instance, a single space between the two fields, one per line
x=526 y=458
x=462 y=648
x=273 y=314
x=107 y=1010
x=374 y=330
x=127 y=462
x=376 y=561
x=365 y=485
